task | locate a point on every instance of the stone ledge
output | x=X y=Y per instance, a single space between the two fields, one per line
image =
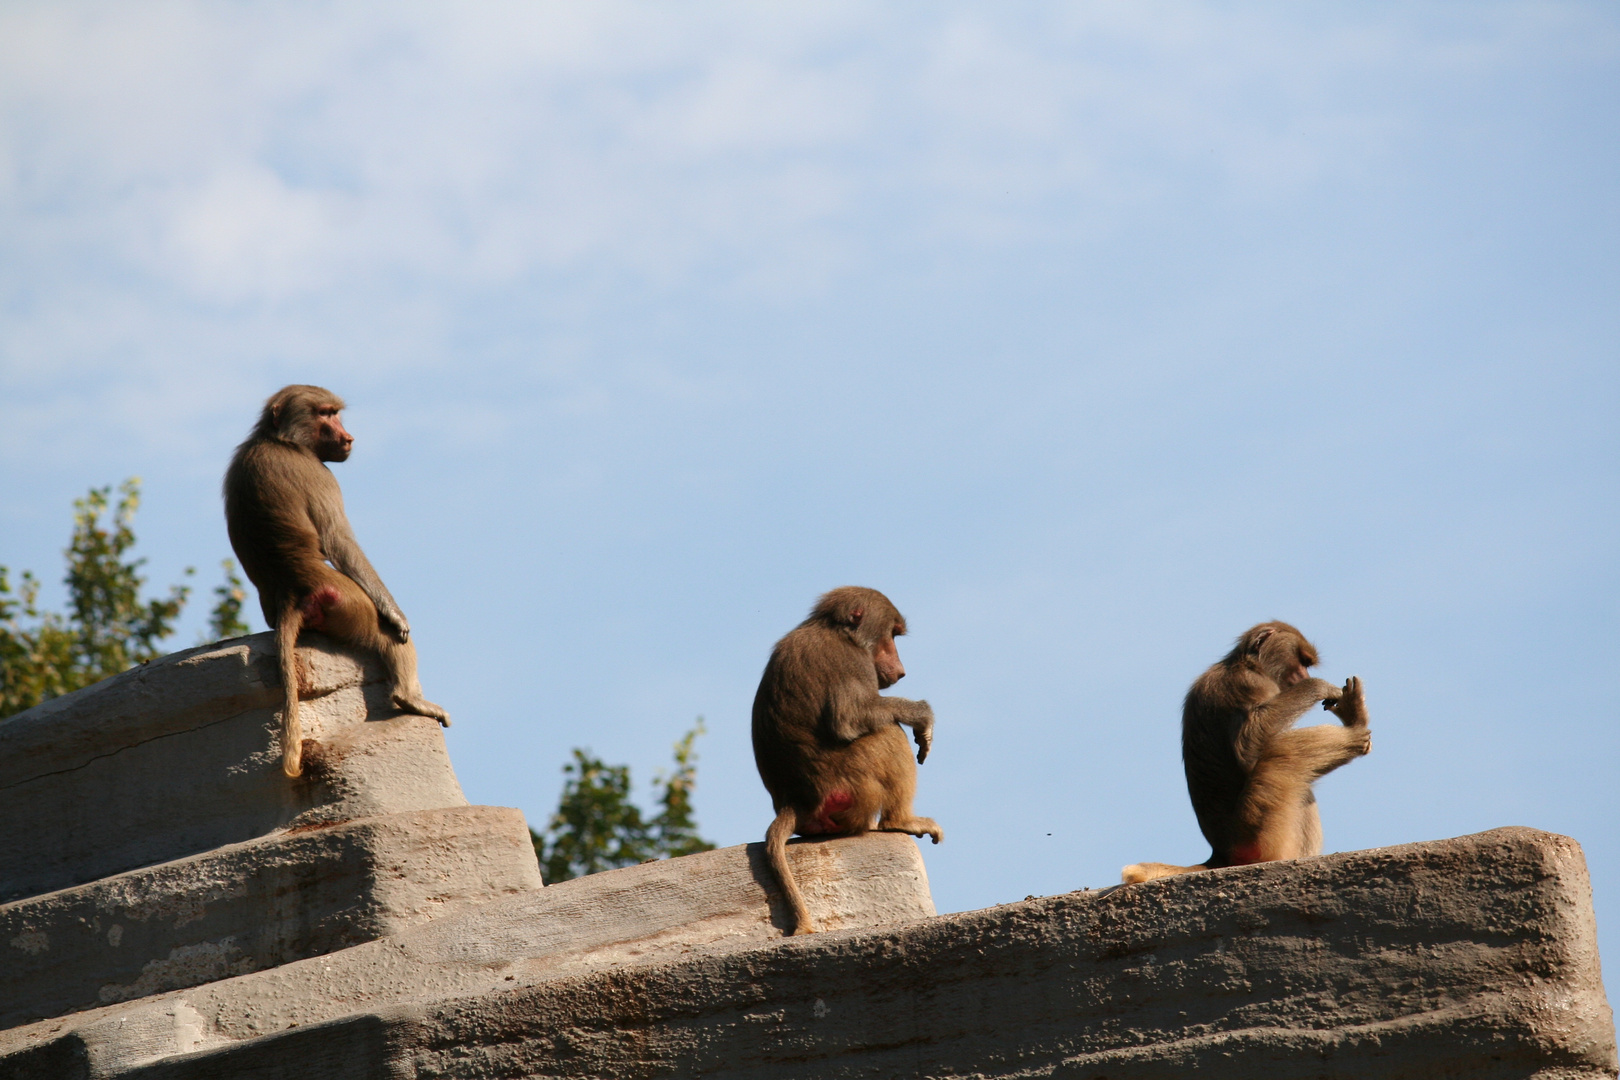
x=699 y=905
x=255 y=905
x=182 y=755
x=1473 y=957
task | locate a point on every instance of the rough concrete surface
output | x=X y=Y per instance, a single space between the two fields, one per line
x=173 y=908
x=698 y=905
x=1473 y=957
x=182 y=755
x=255 y=905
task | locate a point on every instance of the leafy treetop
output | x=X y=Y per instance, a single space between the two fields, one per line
x=108 y=627
x=597 y=827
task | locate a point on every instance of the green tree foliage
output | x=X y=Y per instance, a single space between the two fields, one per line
x=597 y=827
x=108 y=628
x=225 y=620
x=674 y=829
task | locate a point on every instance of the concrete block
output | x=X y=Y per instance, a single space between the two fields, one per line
x=1473 y=957
x=181 y=755
x=700 y=905
x=255 y=905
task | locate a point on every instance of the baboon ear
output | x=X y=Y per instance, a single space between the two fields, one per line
x=855 y=616
x=1259 y=640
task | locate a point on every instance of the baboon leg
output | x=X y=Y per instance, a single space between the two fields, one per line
x=1310 y=839
x=351 y=616
x=776 y=838
x=1280 y=836
x=400 y=657
x=1278 y=805
x=897 y=817
x=895 y=779
x=1323 y=748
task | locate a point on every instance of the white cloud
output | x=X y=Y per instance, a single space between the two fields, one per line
x=274 y=148
x=247 y=232
x=188 y=185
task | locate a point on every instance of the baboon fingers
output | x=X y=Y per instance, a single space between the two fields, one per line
x=1351 y=709
x=394 y=624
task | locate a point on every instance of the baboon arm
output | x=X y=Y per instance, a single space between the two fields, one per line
x=1268 y=719
x=854 y=713
x=851 y=714
x=1317 y=751
x=343 y=551
x=1293 y=702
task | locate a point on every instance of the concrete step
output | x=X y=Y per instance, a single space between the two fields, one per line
x=182 y=755
x=1473 y=957
x=255 y=905
x=659 y=912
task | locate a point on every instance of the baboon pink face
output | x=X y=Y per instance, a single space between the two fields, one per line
x=886 y=659
x=332 y=440
x=1285 y=655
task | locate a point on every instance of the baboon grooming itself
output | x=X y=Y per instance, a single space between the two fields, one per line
x=1249 y=770
x=829 y=747
x=285 y=516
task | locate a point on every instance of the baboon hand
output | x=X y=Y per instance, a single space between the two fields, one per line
x=1329 y=693
x=1351 y=705
x=393 y=621
x=923 y=732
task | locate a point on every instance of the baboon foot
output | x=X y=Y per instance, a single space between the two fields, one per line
x=422 y=707
x=917 y=826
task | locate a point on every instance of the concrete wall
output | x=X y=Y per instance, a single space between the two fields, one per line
x=247 y=907
x=1467 y=958
x=179 y=910
x=181 y=755
x=149 y=840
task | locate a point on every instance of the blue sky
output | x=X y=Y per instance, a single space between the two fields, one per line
x=1092 y=334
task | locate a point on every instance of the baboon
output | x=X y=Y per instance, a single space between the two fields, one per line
x=284 y=513
x=830 y=747
x=1249 y=771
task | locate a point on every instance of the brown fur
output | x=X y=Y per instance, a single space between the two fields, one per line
x=1249 y=770
x=285 y=516
x=830 y=747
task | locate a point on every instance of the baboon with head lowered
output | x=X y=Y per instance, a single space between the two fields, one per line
x=1249 y=770
x=830 y=747
x=285 y=516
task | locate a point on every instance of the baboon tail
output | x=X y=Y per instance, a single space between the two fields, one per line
x=292 y=732
x=776 y=838
x=1149 y=870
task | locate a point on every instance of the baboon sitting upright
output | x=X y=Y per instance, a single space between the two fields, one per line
x=829 y=747
x=284 y=513
x=1249 y=770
